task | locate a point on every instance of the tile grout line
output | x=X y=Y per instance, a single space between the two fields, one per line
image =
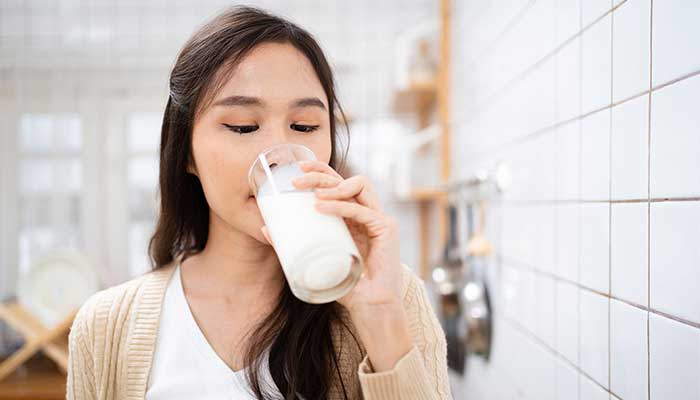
x=521 y=266
x=555 y=141
x=602 y=201
x=578 y=208
x=537 y=340
x=578 y=251
x=498 y=92
x=651 y=82
x=610 y=186
x=537 y=132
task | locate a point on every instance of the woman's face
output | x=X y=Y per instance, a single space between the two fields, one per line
x=272 y=97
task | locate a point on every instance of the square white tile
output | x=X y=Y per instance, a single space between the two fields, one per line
x=675 y=39
x=543 y=369
x=568 y=152
x=628 y=351
x=630 y=149
x=595 y=246
x=528 y=301
x=546 y=308
x=567 y=249
x=595 y=156
x=568 y=78
x=675 y=258
x=631 y=46
x=674 y=359
x=675 y=140
x=543 y=182
x=566 y=381
x=628 y=252
x=596 y=63
x=567 y=321
x=593 y=336
x=546 y=238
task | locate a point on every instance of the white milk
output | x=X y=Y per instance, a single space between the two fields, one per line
x=315 y=249
x=297 y=230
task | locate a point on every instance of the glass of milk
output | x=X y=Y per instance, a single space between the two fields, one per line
x=318 y=255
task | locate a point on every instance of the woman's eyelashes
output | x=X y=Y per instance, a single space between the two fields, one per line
x=241 y=129
x=304 y=128
x=244 y=129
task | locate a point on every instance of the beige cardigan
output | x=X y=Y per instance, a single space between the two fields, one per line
x=113 y=338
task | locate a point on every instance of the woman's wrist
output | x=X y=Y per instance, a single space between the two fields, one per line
x=385 y=334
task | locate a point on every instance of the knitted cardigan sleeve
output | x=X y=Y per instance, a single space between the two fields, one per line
x=81 y=378
x=420 y=374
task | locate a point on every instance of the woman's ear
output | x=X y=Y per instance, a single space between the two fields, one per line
x=191 y=168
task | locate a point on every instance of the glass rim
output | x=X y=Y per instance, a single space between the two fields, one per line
x=269 y=150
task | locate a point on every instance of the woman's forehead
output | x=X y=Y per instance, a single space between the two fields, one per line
x=278 y=74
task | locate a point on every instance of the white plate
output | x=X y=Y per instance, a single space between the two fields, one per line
x=57 y=284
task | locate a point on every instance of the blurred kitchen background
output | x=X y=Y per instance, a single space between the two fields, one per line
x=541 y=156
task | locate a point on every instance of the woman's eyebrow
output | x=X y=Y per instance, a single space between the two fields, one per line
x=308 y=102
x=232 y=101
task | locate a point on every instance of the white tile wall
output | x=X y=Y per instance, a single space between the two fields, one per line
x=614 y=266
x=568 y=80
x=567 y=15
x=629 y=157
x=568 y=150
x=595 y=156
x=593 y=336
x=591 y=390
x=567 y=321
x=628 y=351
x=631 y=50
x=595 y=245
x=596 y=65
x=675 y=258
x=546 y=239
x=675 y=39
x=674 y=350
x=675 y=140
x=629 y=252
x=545 y=292
x=566 y=381
x=593 y=9
x=567 y=245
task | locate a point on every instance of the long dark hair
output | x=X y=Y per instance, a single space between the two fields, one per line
x=302 y=360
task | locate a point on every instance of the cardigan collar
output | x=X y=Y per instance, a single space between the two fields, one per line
x=144 y=330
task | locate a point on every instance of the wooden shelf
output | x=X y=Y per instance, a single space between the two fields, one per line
x=422 y=99
x=418 y=98
x=426 y=194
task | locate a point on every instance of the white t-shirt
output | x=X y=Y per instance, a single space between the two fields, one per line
x=185 y=366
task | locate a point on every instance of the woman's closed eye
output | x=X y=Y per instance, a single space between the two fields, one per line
x=244 y=129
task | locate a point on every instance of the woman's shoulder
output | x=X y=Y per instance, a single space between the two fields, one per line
x=114 y=305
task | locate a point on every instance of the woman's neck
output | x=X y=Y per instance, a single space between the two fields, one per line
x=233 y=262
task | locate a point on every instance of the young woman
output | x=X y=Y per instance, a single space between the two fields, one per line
x=215 y=319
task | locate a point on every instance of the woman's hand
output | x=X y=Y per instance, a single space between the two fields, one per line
x=375 y=234
x=375 y=303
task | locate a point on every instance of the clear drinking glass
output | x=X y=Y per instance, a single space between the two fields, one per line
x=318 y=255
